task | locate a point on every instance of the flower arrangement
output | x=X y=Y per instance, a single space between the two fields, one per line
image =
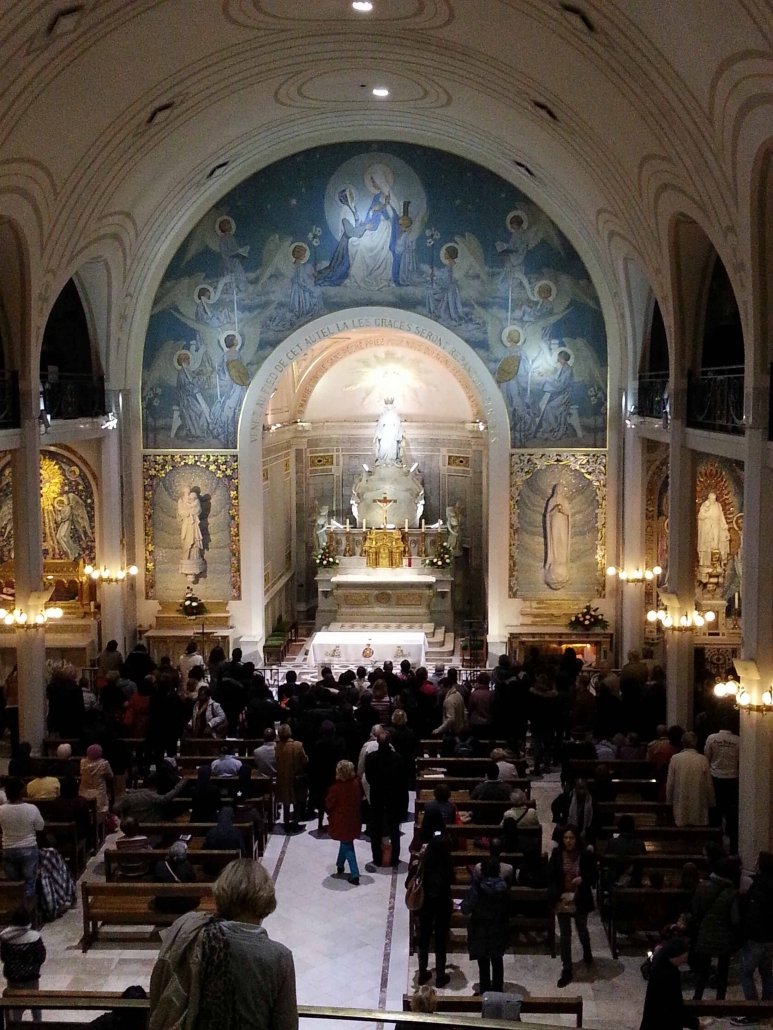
x=588 y=618
x=442 y=559
x=192 y=606
x=325 y=559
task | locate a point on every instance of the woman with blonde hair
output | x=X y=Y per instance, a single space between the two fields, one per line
x=344 y=808
x=226 y=971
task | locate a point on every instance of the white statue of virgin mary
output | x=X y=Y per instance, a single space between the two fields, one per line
x=557 y=533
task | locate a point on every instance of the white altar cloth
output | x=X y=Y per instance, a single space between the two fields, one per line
x=346 y=648
x=400 y=576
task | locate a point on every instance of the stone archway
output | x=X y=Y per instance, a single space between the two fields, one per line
x=249 y=612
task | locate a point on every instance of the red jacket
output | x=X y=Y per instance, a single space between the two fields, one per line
x=343 y=803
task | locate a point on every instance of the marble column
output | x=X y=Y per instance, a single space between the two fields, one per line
x=110 y=541
x=756 y=770
x=681 y=560
x=28 y=567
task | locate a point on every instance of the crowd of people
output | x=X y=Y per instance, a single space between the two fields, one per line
x=344 y=749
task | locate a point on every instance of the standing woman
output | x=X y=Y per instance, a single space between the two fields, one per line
x=343 y=803
x=488 y=931
x=435 y=913
x=226 y=972
x=95 y=775
x=572 y=875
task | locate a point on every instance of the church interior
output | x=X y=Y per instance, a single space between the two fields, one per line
x=422 y=330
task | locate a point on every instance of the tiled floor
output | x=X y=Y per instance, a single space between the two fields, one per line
x=350 y=943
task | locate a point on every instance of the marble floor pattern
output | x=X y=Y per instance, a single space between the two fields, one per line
x=351 y=943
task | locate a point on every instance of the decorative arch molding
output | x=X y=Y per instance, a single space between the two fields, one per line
x=444 y=344
x=370 y=342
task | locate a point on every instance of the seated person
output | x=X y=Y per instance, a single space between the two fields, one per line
x=224 y=836
x=442 y=804
x=132 y=839
x=522 y=814
x=44 y=788
x=632 y=749
x=175 y=868
x=495 y=849
x=625 y=843
x=507 y=770
x=492 y=788
x=533 y=870
x=227 y=764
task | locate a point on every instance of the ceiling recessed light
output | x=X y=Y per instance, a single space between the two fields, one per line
x=380 y=91
x=363 y=6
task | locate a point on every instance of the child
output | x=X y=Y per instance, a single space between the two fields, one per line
x=22 y=953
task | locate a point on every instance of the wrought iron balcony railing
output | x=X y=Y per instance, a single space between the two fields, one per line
x=73 y=395
x=715 y=399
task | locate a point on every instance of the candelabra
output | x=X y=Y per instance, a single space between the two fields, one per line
x=730 y=688
x=640 y=574
x=102 y=574
x=20 y=619
x=687 y=622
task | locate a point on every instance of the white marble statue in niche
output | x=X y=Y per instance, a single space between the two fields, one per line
x=191 y=538
x=454 y=526
x=389 y=438
x=557 y=536
x=713 y=536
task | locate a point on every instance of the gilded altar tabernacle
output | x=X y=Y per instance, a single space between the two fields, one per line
x=383 y=549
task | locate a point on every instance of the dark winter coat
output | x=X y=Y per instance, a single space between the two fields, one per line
x=488 y=931
x=715 y=913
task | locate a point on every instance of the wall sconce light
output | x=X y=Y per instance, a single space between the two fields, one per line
x=688 y=622
x=741 y=697
x=638 y=575
x=20 y=619
x=102 y=574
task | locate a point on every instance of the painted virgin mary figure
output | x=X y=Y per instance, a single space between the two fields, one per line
x=557 y=533
x=366 y=253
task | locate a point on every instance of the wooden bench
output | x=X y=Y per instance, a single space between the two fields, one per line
x=644 y=813
x=619 y=768
x=48 y=809
x=434 y=745
x=756 y=1010
x=208 y=864
x=464 y=783
x=210 y=746
x=132 y=904
x=166 y=833
x=49 y=1003
x=11 y=898
x=453 y=766
x=530 y=913
x=564 y=1004
x=683 y=840
x=482 y=811
x=642 y=910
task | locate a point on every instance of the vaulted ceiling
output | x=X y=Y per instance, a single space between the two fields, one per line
x=122 y=122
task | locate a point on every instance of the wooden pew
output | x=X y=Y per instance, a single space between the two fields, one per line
x=482 y=811
x=683 y=840
x=72 y=847
x=464 y=783
x=645 y=813
x=619 y=768
x=530 y=912
x=208 y=864
x=563 y=1004
x=755 y=1010
x=47 y=809
x=643 y=910
x=470 y=767
x=166 y=833
x=131 y=904
x=11 y=898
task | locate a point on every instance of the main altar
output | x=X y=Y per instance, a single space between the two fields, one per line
x=390 y=566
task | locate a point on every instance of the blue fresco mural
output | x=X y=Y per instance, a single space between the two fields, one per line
x=390 y=224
